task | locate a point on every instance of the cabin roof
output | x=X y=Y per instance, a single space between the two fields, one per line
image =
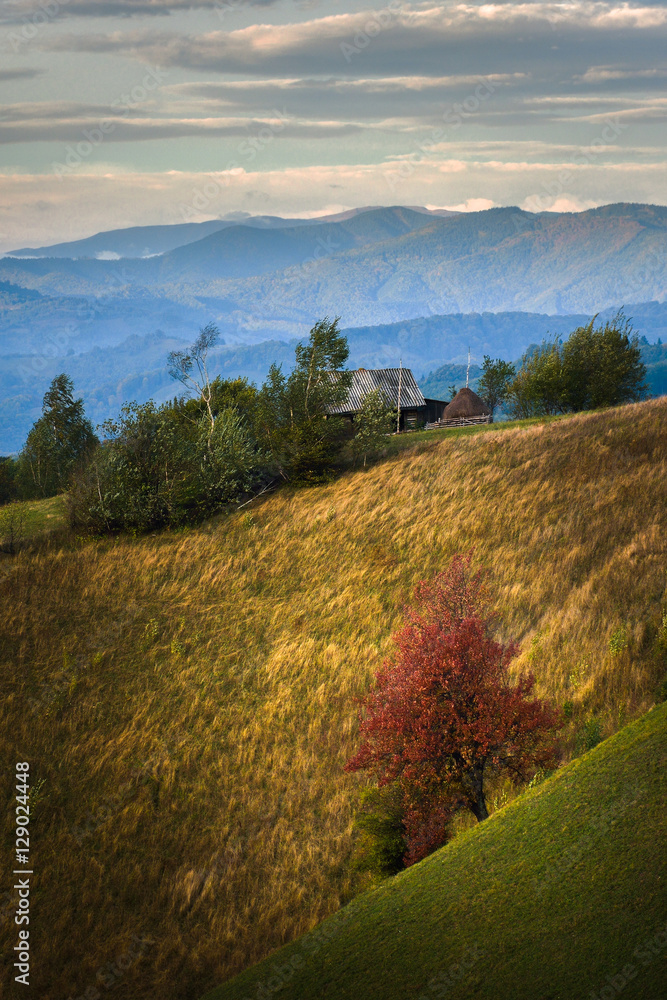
x=365 y=381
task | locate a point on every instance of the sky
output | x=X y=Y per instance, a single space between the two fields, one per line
x=117 y=113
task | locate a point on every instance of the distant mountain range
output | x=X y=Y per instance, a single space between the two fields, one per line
x=407 y=283
x=379 y=266
x=150 y=241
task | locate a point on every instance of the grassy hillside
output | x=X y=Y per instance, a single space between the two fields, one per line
x=186 y=700
x=25 y=519
x=554 y=896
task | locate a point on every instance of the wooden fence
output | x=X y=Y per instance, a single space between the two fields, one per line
x=460 y=422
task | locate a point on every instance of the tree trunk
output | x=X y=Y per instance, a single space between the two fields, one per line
x=479 y=809
x=478 y=801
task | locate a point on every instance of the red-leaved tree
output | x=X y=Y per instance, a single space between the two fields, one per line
x=444 y=719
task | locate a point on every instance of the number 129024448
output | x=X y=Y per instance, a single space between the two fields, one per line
x=22 y=812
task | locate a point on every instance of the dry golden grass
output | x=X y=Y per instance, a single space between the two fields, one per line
x=188 y=699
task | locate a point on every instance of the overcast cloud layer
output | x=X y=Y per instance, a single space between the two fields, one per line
x=298 y=107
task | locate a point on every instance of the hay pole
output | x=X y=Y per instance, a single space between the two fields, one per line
x=400 y=379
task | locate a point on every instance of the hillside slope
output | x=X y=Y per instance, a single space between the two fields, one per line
x=187 y=700
x=559 y=895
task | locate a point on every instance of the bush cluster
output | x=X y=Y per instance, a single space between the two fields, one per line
x=163 y=466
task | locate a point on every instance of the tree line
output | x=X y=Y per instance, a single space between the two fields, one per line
x=223 y=439
x=597 y=366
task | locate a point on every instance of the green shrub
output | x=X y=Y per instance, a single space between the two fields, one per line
x=379 y=822
x=661 y=638
x=589 y=735
x=157 y=469
x=618 y=640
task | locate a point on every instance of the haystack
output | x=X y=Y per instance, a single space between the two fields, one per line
x=466 y=403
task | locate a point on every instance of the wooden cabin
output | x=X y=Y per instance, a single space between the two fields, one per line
x=400 y=390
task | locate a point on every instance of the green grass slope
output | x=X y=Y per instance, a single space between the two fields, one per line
x=560 y=895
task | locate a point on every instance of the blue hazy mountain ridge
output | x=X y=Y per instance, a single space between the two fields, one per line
x=231 y=251
x=137 y=241
x=387 y=265
x=149 y=241
x=243 y=251
x=144 y=241
x=498 y=260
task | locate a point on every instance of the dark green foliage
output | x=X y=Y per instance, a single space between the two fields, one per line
x=538 y=386
x=226 y=393
x=157 y=467
x=602 y=366
x=595 y=367
x=382 y=844
x=494 y=383
x=59 y=441
x=8 y=488
x=589 y=735
x=292 y=414
x=372 y=424
x=236 y=393
x=178 y=463
x=12 y=526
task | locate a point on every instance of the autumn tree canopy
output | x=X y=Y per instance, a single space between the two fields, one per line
x=444 y=719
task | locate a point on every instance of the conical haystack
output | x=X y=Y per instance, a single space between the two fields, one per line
x=466 y=403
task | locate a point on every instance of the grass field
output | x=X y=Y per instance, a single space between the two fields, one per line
x=553 y=897
x=32 y=517
x=187 y=700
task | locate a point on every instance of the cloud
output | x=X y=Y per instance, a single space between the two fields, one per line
x=72 y=124
x=19 y=74
x=411 y=100
x=24 y=10
x=470 y=205
x=543 y=38
x=626 y=77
